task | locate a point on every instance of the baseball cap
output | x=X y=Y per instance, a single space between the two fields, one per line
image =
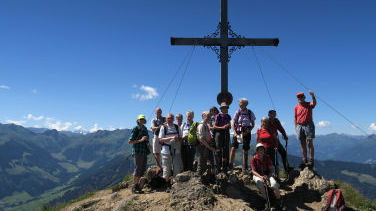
x=141 y=116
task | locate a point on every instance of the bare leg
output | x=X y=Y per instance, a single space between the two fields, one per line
x=245 y=159
x=303 y=145
x=136 y=180
x=232 y=155
x=311 y=149
x=158 y=158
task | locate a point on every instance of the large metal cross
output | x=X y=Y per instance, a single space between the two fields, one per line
x=224 y=42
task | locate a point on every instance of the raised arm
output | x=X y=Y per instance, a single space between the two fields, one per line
x=313 y=98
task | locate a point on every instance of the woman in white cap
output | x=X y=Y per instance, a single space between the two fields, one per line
x=140 y=149
x=262 y=169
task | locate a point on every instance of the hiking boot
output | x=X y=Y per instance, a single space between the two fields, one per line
x=310 y=164
x=136 y=188
x=231 y=167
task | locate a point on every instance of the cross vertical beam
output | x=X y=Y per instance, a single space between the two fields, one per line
x=224 y=47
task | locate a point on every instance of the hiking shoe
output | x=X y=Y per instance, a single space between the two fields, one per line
x=231 y=167
x=310 y=164
x=135 y=188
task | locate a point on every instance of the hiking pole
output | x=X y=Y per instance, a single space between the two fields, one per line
x=267 y=195
x=287 y=164
x=287 y=158
x=275 y=162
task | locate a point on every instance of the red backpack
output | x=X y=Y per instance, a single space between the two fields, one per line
x=335 y=202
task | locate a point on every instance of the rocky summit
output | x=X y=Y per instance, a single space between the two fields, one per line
x=304 y=190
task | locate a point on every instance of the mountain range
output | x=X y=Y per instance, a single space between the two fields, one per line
x=41 y=166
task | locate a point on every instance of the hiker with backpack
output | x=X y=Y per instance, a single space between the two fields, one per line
x=222 y=125
x=203 y=148
x=156 y=125
x=262 y=169
x=189 y=129
x=242 y=125
x=139 y=139
x=176 y=146
x=304 y=126
x=275 y=126
x=212 y=113
x=268 y=140
x=169 y=132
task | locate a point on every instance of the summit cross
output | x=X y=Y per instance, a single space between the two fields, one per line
x=223 y=53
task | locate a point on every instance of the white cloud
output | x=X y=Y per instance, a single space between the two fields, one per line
x=34 y=91
x=95 y=128
x=31 y=117
x=37 y=126
x=283 y=123
x=4 y=87
x=372 y=127
x=20 y=122
x=78 y=128
x=149 y=93
x=323 y=124
x=57 y=125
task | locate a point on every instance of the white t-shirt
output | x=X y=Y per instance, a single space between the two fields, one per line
x=171 y=131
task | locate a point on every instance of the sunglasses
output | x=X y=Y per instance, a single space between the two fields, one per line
x=301 y=96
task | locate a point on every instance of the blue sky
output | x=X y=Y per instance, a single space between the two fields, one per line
x=98 y=64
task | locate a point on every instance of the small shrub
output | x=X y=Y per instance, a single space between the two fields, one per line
x=128 y=178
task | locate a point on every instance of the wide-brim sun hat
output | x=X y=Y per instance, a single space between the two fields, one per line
x=223 y=104
x=141 y=116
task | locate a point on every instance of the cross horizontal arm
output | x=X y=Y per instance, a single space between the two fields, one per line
x=230 y=41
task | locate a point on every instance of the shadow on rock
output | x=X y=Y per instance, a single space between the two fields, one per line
x=300 y=196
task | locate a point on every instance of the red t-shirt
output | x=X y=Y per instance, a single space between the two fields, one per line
x=303 y=113
x=265 y=137
x=263 y=166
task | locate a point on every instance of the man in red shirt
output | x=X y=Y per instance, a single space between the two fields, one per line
x=304 y=126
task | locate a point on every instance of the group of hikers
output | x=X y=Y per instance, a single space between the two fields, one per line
x=174 y=145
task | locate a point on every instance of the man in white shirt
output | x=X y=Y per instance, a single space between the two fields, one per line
x=167 y=134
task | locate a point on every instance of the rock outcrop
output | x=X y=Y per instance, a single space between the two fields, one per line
x=305 y=190
x=188 y=193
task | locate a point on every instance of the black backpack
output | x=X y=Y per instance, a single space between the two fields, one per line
x=159 y=129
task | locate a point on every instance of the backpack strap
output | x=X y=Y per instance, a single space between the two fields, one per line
x=177 y=129
x=255 y=161
x=338 y=196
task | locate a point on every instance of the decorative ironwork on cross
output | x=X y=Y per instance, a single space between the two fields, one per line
x=224 y=53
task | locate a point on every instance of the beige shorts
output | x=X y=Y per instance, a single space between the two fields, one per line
x=157 y=147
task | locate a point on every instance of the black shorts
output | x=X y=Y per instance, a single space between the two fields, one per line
x=246 y=142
